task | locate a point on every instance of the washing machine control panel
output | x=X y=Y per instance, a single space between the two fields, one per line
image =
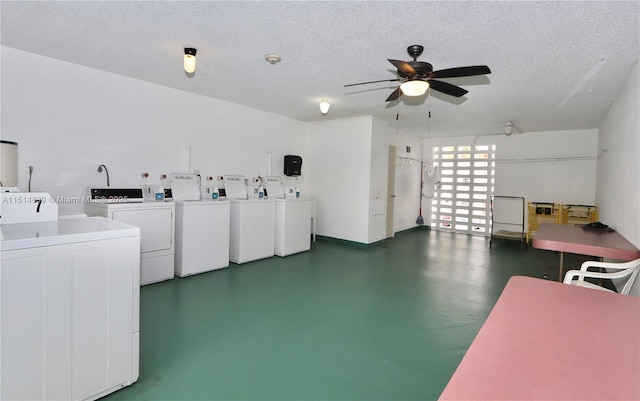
x=116 y=195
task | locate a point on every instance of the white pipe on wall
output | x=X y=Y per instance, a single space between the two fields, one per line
x=269 y=164
x=187 y=159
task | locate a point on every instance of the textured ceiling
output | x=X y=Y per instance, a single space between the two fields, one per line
x=555 y=65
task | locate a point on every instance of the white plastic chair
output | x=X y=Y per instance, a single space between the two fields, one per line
x=627 y=270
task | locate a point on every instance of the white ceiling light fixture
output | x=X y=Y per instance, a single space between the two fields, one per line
x=415 y=87
x=189 y=60
x=324 y=107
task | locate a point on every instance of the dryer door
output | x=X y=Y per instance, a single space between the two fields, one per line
x=156 y=232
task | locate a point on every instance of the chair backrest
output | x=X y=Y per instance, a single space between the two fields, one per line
x=632 y=278
x=626 y=270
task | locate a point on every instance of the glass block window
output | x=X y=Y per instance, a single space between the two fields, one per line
x=467 y=182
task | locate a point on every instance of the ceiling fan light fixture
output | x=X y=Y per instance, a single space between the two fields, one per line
x=415 y=87
x=324 y=107
x=189 y=60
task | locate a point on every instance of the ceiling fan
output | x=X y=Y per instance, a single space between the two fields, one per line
x=417 y=76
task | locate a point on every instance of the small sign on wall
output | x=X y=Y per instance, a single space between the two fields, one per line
x=379 y=204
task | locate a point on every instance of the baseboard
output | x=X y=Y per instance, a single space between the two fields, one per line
x=349 y=243
x=377 y=243
x=411 y=230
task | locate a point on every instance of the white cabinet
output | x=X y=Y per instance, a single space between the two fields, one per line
x=69 y=323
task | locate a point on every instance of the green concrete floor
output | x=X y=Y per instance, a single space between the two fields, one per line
x=341 y=322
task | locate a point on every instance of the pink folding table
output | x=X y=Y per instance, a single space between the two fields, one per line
x=545 y=340
x=573 y=239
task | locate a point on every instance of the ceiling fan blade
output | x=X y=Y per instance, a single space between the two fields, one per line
x=447 y=88
x=373 y=82
x=403 y=66
x=395 y=95
x=461 y=72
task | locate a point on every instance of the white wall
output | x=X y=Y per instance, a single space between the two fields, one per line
x=349 y=168
x=340 y=171
x=378 y=180
x=618 y=173
x=539 y=166
x=531 y=174
x=68 y=119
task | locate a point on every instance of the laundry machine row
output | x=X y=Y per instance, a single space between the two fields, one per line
x=185 y=235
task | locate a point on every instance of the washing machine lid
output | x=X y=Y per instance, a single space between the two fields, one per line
x=235 y=186
x=185 y=187
x=274 y=186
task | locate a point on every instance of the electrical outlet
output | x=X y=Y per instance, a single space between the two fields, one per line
x=29 y=166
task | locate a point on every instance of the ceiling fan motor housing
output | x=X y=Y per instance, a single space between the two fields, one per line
x=422 y=69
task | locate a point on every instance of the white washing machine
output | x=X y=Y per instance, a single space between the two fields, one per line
x=70 y=308
x=202 y=228
x=252 y=223
x=156 y=220
x=292 y=220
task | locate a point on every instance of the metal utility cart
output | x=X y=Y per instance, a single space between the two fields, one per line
x=507 y=215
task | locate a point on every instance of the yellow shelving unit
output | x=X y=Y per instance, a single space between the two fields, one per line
x=548 y=212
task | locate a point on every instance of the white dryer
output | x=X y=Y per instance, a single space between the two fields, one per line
x=202 y=228
x=156 y=220
x=292 y=220
x=252 y=223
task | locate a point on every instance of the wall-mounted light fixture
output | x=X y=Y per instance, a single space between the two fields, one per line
x=324 y=107
x=510 y=128
x=189 y=60
x=416 y=87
